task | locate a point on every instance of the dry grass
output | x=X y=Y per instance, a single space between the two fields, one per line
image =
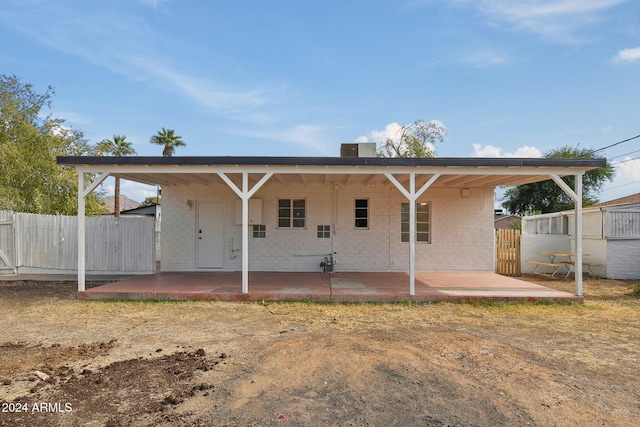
x=546 y=360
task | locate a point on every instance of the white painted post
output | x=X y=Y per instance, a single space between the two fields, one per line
x=412 y=195
x=576 y=196
x=412 y=233
x=245 y=194
x=578 y=227
x=82 y=194
x=245 y=232
x=81 y=232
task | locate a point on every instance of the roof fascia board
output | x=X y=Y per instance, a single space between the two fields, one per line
x=365 y=170
x=330 y=161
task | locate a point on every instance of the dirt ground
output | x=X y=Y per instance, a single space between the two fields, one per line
x=69 y=362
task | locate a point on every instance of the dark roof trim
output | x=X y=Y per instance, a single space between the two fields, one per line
x=332 y=161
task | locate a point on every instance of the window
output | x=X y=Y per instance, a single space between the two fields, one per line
x=324 y=231
x=291 y=213
x=259 y=231
x=362 y=213
x=423 y=222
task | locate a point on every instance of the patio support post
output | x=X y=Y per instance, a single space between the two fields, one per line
x=576 y=196
x=578 y=226
x=412 y=234
x=81 y=233
x=82 y=194
x=245 y=194
x=245 y=233
x=413 y=196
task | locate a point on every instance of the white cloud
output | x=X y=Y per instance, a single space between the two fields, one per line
x=306 y=135
x=72 y=117
x=626 y=181
x=153 y=3
x=111 y=37
x=483 y=57
x=525 y=151
x=61 y=130
x=133 y=190
x=558 y=20
x=492 y=151
x=628 y=170
x=486 y=151
x=628 y=55
x=202 y=91
x=392 y=130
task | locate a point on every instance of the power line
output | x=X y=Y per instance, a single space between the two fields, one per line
x=623 y=161
x=622 y=155
x=617 y=143
x=621 y=185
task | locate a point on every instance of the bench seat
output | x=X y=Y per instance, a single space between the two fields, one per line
x=555 y=266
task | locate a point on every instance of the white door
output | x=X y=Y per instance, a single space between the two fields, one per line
x=210 y=235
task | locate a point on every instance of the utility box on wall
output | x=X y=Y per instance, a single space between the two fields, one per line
x=255 y=211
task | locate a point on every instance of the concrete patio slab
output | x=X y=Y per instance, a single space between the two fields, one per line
x=346 y=287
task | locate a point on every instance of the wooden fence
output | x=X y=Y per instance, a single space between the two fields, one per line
x=6 y=243
x=48 y=244
x=508 y=252
x=623 y=224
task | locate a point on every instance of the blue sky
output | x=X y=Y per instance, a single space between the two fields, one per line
x=297 y=78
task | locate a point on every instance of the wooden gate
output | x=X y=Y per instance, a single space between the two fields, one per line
x=508 y=252
x=7 y=243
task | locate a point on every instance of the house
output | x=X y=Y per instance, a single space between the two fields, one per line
x=326 y=213
x=610 y=237
x=502 y=220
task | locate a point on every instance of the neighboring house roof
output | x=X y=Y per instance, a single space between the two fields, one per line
x=125 y=203
x=455 y=171
x=627 y=200
x=149 y=210
x=504 y=221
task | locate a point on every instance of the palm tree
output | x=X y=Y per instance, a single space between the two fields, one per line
x=169 y=139
x=118 y=146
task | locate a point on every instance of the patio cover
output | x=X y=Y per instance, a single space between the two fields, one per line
x=411 y=176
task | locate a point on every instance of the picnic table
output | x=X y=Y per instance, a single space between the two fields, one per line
x=558 y=261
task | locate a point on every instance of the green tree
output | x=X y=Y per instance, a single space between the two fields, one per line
x=30 y=178
x=118 y=146
x=169 y=140
x=150 y=201
x=415 y=140
x=547 y=196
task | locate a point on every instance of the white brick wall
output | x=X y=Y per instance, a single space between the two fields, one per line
x=592 y=225
x=623 y=259
x=462 y=229
x=531 y=244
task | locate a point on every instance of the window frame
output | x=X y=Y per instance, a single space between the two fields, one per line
x=259 y=231
x=357 y=218
x=405 y=234
x=324 y=231
x=291 y=219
